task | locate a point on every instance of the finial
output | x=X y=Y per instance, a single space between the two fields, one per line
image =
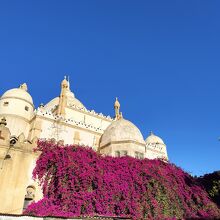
x=117 y=103
x=3 y=121
x=65 y=83
x=151 y=133
x=68 y=79
x=23 y=86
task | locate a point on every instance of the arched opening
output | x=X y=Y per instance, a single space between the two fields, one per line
x=29 y=197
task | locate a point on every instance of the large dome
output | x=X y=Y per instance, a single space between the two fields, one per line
x=121 y=130
x=71 y=101
x=70 y=97
x=18 y=93
x=153 y=139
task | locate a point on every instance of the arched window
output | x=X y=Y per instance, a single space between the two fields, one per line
x=29 y=197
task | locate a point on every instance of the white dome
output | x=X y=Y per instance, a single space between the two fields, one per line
x=52 y=103
x=71 y=100
x=18 y=93
x=153 y=139
x=121 y=130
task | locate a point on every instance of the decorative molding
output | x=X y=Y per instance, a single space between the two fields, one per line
x=12 y=97
x=16 y=116
x=74 y=125
x=122 y=142
x=155 y=151
x=91 y=112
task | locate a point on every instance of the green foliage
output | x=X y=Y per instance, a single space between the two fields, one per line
x=211 y=183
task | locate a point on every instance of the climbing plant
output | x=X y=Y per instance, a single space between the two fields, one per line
x=77 y=181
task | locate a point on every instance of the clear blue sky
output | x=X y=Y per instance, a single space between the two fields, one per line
x=161 y=58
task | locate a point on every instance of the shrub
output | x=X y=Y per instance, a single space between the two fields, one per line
x=211 y=183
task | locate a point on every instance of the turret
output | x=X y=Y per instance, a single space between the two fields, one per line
x=63 y=97
x=16 y=105
x=118 y=114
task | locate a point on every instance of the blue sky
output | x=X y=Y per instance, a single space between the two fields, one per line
x=161 y=58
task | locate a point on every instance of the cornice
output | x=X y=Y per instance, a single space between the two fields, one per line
x=13 y=97
x=122 y=142
x=15 y=116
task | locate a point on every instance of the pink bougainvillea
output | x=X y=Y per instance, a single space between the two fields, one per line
x=77 y=181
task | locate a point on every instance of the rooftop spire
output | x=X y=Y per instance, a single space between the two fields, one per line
x=117 y=104
x=65 y=83
x=118 y=114
x=63 y=98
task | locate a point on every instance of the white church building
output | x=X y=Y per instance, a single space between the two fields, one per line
x=67 y=120
x=64 y=120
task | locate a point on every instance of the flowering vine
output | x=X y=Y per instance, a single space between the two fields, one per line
x=77 y=181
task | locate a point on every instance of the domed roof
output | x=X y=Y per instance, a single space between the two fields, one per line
x=121 y=130
x=19 y=93
x=70 y=102
x=52 y=103
x=153 y=139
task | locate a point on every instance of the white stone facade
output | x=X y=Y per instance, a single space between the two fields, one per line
x=74 y=124
x=64 y=119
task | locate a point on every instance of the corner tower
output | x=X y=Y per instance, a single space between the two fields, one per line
x=16 y=105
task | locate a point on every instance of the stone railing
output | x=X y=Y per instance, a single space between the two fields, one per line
x=91 y=112
x=61 y=119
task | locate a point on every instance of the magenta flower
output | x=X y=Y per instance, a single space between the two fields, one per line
x=77 y=181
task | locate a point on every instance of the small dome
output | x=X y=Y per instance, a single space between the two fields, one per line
x=121 y=130
x=52 y=103
x=153 y=139
x=18 y=93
